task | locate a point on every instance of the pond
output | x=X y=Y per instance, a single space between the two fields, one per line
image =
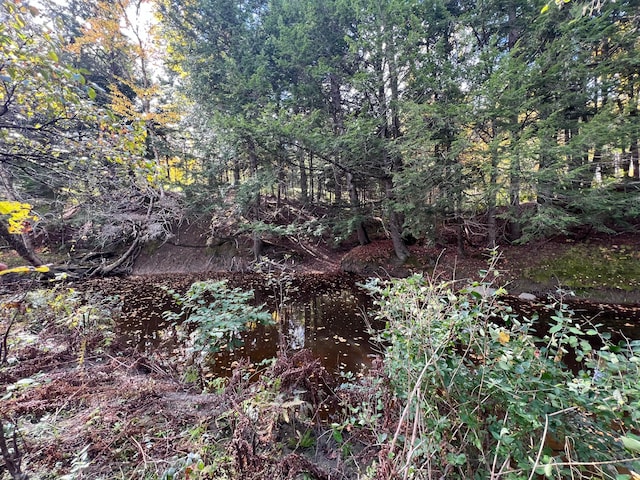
x=325 y=314
x=332 y=325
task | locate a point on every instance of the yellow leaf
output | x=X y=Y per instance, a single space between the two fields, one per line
x=25 y=269
x=8 y=207
x=545 y=8
x=503 y=337
x=19 y=215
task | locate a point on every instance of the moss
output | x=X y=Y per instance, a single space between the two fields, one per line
x=591 y=266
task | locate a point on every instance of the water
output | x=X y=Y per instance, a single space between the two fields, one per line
x=332 y=325
x=622 y=321
x=325 y=315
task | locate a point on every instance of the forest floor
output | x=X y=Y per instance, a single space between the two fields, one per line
x=83 y=405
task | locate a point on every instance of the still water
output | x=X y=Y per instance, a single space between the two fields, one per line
x=327 y=316
x=332 y=325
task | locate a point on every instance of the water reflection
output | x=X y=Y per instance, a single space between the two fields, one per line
x=327 y=318
x=331 y=325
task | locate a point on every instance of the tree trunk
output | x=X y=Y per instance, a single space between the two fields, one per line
x=258 y=245
x=395 y=229
x=304 y=188
x=544 y=184
x=253 y=163
x=514 y=227
x=311 y=176
x=337 y=178
x=491 y=222
x=395 y=225
x=363 y=237
x=236 y=172
x=128 y=256
x=336 y=105
x=634 y=151
x=492 y=188
x=635 y=156
x=21 y=244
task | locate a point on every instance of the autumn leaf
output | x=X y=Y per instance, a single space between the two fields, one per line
x=19 y=215
x=503 y=337
x=25 y=269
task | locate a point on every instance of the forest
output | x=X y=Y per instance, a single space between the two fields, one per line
x=487 y=122
x=267 y=133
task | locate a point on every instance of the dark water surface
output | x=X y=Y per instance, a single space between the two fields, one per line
x=325 y=314
x=331 y=325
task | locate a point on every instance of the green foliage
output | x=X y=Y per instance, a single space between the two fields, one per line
x=304 y=440
x=483 y=397
x=63 y=306
x=215 y=314
x=46 y=102
x=79 y=463
x=436 y=111
x=601 y=209
x=192 y=466
x=84 y=318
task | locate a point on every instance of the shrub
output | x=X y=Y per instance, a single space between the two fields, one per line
x=483 y=397
x=216 y=314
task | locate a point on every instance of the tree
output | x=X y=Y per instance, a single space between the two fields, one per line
x=583 y=112
x=43 y=107
x=428 y=113
x=75 y=160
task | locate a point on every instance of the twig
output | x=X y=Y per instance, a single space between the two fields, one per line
x=12 y=460
x=142 y=452
x=544 y=436
x=495 y=455
x=414 y=435
x=595 y=464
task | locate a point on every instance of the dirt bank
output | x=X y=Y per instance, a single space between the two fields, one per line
x=538 y=268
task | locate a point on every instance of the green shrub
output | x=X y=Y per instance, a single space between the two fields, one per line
x=483 y=397
x=215 y=314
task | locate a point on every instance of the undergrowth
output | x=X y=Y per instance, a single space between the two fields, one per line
x=463 y=389
x=482 y=394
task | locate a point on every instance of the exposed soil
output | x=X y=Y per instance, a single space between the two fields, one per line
x=514 y=264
